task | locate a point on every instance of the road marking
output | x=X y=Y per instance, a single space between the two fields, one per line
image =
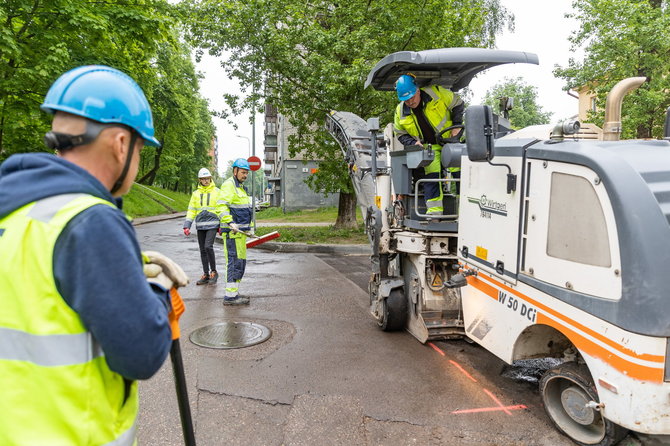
x=458 y=366
x=500 y=406
x=497 y=401
x=491 y=409
x=437 y=349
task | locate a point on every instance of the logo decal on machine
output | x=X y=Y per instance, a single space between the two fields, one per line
x=488 y=207
x=517 y=305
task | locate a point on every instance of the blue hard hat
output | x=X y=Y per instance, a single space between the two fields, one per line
x=241 y=163
x=102 y=94
x=405 y=87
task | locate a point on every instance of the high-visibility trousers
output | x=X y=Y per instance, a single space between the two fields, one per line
x=432 y=191
x=235 y=252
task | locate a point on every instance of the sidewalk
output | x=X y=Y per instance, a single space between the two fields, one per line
x=278 y=246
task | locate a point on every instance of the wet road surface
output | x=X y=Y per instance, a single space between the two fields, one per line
x=328 y=375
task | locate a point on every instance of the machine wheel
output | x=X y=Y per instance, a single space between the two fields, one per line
x=565 y=391
x=394 y=311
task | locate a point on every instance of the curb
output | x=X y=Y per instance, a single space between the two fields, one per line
x=342 y=250
x=355 y=250
x=144 y=220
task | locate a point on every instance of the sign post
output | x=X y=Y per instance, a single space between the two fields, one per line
x=254 y=165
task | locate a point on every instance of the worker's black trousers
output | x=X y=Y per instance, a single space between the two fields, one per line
x=206 y=242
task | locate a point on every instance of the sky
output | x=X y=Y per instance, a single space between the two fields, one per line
x=545 y=34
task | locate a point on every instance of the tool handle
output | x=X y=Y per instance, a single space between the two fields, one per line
x=182 y=394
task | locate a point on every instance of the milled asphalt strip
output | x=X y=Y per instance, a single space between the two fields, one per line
x=278 y=246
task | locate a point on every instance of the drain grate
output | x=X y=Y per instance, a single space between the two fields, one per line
x=230 y=335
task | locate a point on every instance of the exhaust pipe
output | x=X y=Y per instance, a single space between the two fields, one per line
x=612 y=126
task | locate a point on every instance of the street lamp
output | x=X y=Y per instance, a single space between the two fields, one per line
x=248 y=144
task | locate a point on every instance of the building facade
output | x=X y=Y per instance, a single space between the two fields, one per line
x=287 y=174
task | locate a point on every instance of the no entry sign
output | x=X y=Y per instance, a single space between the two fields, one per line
x=254 y=162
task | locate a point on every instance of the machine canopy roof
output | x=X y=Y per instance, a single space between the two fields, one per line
x=451 y=68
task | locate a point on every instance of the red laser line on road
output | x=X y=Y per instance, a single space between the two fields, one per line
x=497 y=401
x=437 y=349
x=458 y=366
x=490 y=409
x=500 y=407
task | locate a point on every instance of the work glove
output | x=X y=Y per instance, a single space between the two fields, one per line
x=163 y=271
x=234 y=227
x=187 y=231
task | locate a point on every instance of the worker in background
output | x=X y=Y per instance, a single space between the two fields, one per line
x=236 y=218
x=205 y=210
x=421 y=114
x=80 y=322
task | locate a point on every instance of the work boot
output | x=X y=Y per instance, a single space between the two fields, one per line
x=239 y=300
x=213 y=277
x=204 y=280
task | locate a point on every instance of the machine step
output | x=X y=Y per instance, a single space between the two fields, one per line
x=440 y=327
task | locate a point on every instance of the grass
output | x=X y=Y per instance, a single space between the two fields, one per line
x=320 y=215
x=317 y=234
x=311 y=234
x=145 y=201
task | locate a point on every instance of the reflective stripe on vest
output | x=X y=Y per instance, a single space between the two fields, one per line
x=48 y=351
x=52 y=367
x=125 y=439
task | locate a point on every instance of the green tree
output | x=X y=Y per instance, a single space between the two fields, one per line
x=526 y=110
x=40 y=39
x=624 y=38
x=308 y=58
x=183 y=122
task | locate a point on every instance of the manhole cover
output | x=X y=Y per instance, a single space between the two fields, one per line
x=230 y=335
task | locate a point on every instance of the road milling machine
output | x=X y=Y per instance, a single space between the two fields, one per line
x=557 y=246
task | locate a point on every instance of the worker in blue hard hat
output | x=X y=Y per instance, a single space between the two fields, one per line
x=236 y=224
x=205 y=209
x=421 y=115
x=81 y=319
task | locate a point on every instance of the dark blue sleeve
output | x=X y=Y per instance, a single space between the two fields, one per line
x=407 y=140
x=457 y=114
x=98 y=270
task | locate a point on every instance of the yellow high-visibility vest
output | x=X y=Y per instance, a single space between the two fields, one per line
x=56 y=386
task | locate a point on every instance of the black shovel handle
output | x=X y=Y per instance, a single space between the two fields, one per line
x=182 y=394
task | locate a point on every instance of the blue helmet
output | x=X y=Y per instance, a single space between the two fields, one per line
x=406 y=87
x=105 y=95
x=241 y=163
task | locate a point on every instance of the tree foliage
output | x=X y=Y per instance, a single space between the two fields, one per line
x=182 y=121
x=624 y=38
x=526 y=110
x=41 y=39
x=307 y=58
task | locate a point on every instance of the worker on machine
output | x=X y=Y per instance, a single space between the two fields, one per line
x=419 y=117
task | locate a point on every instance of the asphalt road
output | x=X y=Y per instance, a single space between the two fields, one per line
x=328 y=375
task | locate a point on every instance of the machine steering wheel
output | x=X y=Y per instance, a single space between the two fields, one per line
x=441 y=140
